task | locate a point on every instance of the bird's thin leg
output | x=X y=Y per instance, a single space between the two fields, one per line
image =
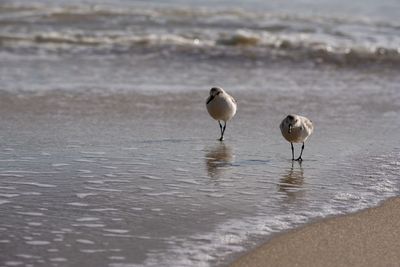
x=222 y=131
x=301 y=153
x=291 y=144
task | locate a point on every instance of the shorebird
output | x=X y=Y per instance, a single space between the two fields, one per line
x=221 y=106
x=296 y=129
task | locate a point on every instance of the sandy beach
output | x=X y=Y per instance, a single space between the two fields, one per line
x=366 y=238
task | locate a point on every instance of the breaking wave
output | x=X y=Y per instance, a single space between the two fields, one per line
x=220 y=32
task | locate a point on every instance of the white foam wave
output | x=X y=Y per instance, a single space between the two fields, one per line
x=37 y=242
x=200 y=30
x=235 y=235
x=240 y=42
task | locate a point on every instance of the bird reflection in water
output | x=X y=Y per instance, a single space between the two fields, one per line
x=218 y=159
x=292 y=181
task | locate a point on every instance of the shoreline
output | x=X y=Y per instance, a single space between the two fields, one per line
x=368 y=237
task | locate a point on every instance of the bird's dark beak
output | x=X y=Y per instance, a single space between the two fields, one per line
x=290 y=128
x=210 y=99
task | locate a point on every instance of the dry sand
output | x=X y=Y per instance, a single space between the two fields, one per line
x=366 y=238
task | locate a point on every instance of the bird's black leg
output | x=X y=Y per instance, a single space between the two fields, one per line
x=301 y=153
x=222 y=131
x=291 y=144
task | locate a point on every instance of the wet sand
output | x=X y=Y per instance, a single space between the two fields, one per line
x=366 y=238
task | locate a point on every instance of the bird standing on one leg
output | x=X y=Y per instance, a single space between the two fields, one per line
x=221 y=106
x=296 y=129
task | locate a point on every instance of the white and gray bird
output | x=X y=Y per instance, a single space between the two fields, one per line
x=296 y=129
x=221 y=107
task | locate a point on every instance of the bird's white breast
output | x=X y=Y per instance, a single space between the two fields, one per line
x=299 y=132
x=222 y=107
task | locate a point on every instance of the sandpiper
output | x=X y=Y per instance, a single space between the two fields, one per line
x=296 y=129
x=221 y=106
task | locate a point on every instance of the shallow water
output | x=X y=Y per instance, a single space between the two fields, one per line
x=108 y=156
x=114 y=179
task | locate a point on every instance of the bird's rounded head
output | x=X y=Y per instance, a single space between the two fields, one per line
x=291 y=118
x=216 y=91
x=290 y=121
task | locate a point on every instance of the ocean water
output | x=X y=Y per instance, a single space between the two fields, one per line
x=109 y=158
